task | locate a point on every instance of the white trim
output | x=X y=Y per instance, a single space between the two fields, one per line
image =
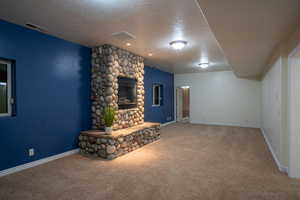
x=284 y=169
x=153 y=95
x=5 y=115
x=293 y=127
x=280 y=166
x=36 y=163
x=175 y=100
x=167 y=123
x=223 y=124
x=9 y=88
x=156 y=105
x=177 y=117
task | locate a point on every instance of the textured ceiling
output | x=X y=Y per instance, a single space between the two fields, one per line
x=153 y=23
x=245 y=31
x=249 y=30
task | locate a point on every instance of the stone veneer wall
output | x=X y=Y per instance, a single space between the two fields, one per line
x=108 y=63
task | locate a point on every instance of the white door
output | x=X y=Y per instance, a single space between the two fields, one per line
x=294 y=114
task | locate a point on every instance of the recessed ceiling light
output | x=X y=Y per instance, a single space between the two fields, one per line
x=204 y=65
x=150 y=54
x=178 y=44
x=128 y=44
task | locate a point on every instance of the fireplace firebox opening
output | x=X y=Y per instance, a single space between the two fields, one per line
x=127 y=93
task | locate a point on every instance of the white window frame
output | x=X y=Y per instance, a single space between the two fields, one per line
x=153 y=95
x=9 y=89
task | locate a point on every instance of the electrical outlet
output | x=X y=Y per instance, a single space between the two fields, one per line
x=31 y=152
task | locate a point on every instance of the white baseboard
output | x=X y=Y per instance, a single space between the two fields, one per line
x=36 y=163
x=284 y=169
x=224 y=124
x=281 y=167
x=168 y=123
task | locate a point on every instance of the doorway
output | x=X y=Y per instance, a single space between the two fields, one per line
x=183 y=104
x=294 y=113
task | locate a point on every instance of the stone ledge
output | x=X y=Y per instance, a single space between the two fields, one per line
x=120 y=132
x=99 y=144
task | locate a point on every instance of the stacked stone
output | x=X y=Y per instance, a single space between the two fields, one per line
x=109 y=147
x=109 y=63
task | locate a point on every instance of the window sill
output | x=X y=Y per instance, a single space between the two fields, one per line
x=5 y=115
x=155 y=105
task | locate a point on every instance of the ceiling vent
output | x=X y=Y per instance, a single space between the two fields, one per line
x=123 y=36
x=35 y=27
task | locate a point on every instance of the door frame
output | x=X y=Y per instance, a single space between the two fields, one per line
x=176 y=105
x=293 y=126
x=176 y=102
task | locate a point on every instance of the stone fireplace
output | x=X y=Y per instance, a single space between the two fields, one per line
x=117 y=79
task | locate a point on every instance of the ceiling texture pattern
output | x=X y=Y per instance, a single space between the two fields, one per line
x=246 y=31
x=249 y=30
x=154 y=23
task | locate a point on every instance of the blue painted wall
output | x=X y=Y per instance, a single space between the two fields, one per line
x=52 y=88
x=165 y=112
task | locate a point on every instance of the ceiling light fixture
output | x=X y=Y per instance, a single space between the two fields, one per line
x=128 y=44
x=204 y=65
x=185 y=87
x=150 y=54
x=178 y=44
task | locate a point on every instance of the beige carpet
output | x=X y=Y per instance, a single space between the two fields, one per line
x=189 y=162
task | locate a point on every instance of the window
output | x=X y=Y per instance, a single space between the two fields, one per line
x=5 y=88
x=156 y=95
